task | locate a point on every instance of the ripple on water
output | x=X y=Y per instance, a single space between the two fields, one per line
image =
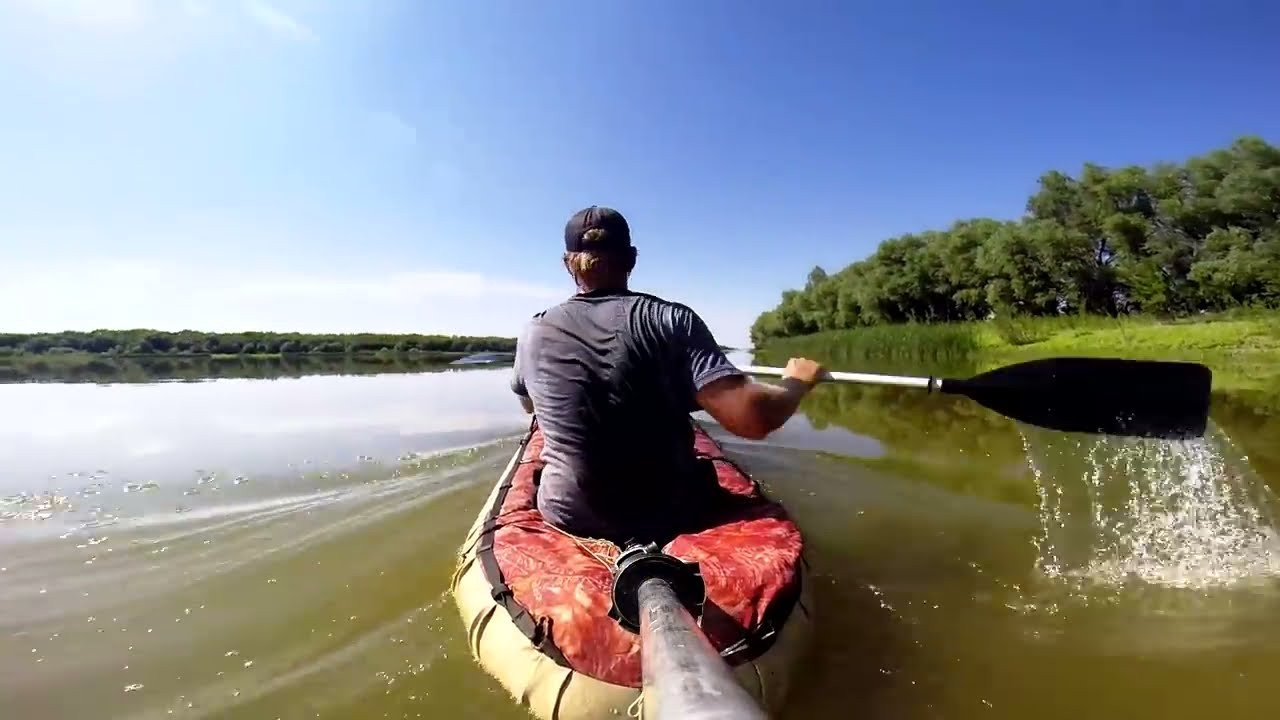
x=1148 y=546
x=1185 y=514
x=143 y=612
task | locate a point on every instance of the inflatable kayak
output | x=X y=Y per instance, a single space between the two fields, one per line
x=536 y=602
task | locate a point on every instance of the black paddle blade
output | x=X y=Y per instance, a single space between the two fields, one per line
x=1098 y=395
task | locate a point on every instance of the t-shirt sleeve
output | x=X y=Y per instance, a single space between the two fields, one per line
x=701 y=355
x=524 y=346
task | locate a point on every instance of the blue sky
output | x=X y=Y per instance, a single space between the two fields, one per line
x=396 y=165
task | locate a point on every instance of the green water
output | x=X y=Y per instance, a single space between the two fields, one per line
x=251 y=548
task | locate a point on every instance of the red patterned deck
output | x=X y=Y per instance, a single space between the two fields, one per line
x=750 y=563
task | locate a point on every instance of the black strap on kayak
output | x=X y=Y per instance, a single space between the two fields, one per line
x=757 y=641
x=538 y=631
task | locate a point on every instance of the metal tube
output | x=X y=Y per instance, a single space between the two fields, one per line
x=684 y=676
x=851 y=377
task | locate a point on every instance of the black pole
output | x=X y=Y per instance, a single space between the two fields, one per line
x=684 y=676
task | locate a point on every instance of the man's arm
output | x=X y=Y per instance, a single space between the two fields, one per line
x=526 y=403
x=745 y=408
x=518 y=386
x=750 y=409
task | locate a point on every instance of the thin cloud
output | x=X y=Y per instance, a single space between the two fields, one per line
x=276 y=20
x=395 y=287
x=392 y=128
x=101 y=14
x=196 y=8
x=167 y=295
x=175 y=294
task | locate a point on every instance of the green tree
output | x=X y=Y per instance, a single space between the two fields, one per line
x=1170 y=239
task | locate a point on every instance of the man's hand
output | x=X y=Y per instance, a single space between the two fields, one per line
x=803 y=369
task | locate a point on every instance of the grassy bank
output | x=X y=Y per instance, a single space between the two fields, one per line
x=954 y=443
x=1242 y=347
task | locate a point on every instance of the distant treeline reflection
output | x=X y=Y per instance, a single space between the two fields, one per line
x=80 y=368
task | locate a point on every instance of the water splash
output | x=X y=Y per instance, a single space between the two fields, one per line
x=1186 y=514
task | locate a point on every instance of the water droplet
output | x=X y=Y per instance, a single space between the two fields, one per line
x=131 y=688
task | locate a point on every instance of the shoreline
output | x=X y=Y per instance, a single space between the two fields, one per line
x=145 y=341
x=103 y=368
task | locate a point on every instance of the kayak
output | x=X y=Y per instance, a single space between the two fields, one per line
x=535 y=601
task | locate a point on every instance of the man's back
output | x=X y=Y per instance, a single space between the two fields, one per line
x=613 y=376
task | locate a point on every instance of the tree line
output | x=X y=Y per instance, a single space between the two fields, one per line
x=1172 y=239
x=190 y=342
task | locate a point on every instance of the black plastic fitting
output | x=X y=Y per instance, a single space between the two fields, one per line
x=638 y=563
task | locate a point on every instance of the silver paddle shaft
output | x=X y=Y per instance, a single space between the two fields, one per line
x=684 y=677
x=849 y=377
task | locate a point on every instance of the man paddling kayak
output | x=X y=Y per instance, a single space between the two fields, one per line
x=613 y=375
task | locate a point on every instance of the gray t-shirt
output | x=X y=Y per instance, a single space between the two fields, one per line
x=613 y=377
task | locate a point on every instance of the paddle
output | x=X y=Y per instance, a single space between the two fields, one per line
x=683 y=676
x=1109 y=396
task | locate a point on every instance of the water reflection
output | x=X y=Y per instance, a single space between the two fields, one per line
x=282 y=549
x=95 y=454
x=74 y=368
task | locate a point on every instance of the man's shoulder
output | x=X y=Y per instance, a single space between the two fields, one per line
x=531 y=328
x=663 y=304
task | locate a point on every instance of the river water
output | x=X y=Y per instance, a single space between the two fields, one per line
x=281 y=548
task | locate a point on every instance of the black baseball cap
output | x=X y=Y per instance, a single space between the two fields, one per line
x=616 y=233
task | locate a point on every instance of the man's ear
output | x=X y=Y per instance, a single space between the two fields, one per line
x=631 y=259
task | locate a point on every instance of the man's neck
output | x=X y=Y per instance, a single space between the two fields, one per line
x=603 y=288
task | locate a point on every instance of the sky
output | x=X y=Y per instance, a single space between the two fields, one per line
x=406 y=166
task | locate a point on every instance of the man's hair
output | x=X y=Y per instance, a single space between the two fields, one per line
x=582 y=263
x=593 y=267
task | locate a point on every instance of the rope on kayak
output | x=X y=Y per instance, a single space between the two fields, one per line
x=636 y=708
x=582 y=543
